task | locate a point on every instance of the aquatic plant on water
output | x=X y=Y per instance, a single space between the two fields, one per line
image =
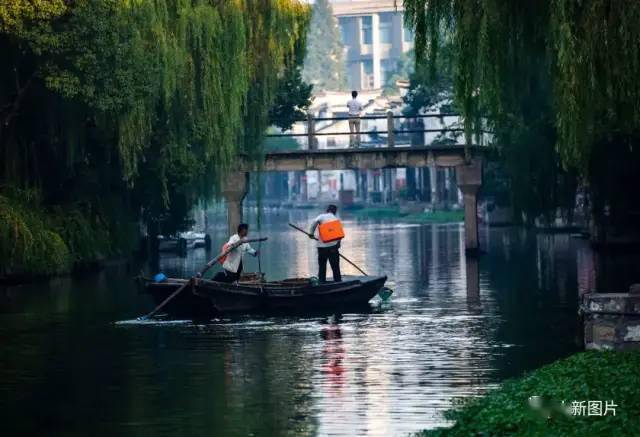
x=599 y=377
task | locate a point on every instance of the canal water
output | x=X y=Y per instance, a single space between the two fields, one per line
x=76 y=362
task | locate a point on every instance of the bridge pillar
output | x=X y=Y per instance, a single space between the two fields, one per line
x=311 y=133
x=433 y=182
x=234 y=190
x=391 y=133
x=469 y=179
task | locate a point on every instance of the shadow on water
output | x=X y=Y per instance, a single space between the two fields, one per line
x=453 y=327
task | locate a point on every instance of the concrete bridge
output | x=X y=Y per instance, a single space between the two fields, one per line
x=466 y=159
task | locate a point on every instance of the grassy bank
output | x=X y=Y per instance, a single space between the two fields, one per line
x=394 y=212
x=587 y=376
x=38 y=241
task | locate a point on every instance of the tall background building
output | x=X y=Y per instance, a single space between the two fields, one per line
x=374 y=39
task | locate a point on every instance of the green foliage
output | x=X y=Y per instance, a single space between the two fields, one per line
x=28 y=245
x=37 y=240
x=31 y=21
x=86 y=237
x=324 y=65
x=597 y=51
x=501 y=77
x=292 y=99
x=429 y=86
x=277 y=34
x=598 y=376
x=402 y=70
x=147 y=102
x=555 y=80
x=155 y=75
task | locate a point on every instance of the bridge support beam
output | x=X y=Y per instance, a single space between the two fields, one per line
x=469 y=179
x=234 y=191
x=433 y=183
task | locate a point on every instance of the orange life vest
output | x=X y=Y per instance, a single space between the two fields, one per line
x=331 y=231
x=223 y=258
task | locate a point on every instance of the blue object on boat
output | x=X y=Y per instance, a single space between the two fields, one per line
x=160 y=277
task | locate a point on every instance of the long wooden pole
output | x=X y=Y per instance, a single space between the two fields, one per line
x=199 y=275
x=341 y=255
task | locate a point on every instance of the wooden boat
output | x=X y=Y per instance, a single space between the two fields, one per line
x=208 y=298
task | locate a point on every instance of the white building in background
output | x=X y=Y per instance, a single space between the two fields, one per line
x=374 y=39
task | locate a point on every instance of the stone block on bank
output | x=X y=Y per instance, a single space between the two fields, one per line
x=612 y=321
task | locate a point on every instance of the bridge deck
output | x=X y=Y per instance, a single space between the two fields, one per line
x=366 y=158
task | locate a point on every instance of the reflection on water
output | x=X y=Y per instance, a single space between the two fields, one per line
x=451 y=329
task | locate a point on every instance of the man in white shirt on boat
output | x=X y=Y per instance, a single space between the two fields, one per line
x=355 y=108
x=233 y=263
x=327 y=250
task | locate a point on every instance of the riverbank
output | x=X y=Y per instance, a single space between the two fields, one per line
x=394 y=212
x=38 y=242
x=587 y=376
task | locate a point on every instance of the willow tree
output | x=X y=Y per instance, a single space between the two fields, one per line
x=113 y=107
x=597 y=50
x=555 y=79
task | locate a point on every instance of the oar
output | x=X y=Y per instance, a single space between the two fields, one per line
x=199 y=275
x=341 y=255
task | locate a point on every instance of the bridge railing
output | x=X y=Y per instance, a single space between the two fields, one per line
x=386 y=130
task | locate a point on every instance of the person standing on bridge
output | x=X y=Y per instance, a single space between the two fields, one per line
x=327 y=229
x=355 y=109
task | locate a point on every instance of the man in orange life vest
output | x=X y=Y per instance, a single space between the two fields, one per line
x=328 y=230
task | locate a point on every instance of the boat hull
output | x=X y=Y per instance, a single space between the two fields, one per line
x=209 y=298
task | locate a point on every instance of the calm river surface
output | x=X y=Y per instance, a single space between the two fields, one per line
x=75 y=362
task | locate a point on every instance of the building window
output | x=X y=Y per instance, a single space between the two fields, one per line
x=367 y=66
x=367 y=74
x=386 y=36
x=387 y=67
x=367 y=32
x=345 y=31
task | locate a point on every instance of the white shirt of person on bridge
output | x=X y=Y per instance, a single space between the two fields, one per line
x=322 y=218
x=232 y=263
x=354 y=106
